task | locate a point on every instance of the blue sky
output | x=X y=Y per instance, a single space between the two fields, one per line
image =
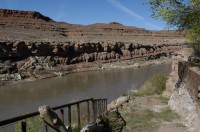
x=127 y=12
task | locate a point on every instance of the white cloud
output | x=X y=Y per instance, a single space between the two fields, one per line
x=61 y=12
x=154 y=26
x=128 y=11
x=125 y=9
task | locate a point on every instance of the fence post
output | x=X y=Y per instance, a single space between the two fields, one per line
x=93 y=110
x=99 y=107
x=88 y=111
x=23 y=125
x=69 y=116
x=106 y=104
x=102 y=109
x=78 y=117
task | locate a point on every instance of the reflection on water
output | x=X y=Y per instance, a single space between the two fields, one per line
x=27 y=97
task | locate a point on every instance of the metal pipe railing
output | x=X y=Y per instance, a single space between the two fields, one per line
x=98 y=107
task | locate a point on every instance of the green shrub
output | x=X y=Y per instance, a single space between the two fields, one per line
x=156 y=85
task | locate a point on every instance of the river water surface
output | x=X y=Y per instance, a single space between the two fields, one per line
x=110 y=84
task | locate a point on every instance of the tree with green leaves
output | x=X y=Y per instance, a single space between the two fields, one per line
x=183 y=14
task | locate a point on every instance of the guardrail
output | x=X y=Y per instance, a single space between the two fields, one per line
x=82 y=112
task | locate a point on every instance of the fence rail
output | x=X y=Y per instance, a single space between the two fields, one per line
x=89 y=107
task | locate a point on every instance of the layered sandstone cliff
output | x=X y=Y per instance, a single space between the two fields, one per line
x=30 y=41
x=32 y=26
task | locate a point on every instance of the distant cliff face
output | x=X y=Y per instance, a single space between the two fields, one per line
x=22 y=14
x=32 y=44
x=33 y=26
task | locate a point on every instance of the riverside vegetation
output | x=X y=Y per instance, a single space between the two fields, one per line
x=148 y=110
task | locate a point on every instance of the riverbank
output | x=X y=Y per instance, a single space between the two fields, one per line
x=150 y=114
x=9 y=79
x=151 y=111
x=148 y=110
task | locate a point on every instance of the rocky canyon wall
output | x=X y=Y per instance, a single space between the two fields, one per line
x=184 y=99
x=71 y=53
x=31 y=42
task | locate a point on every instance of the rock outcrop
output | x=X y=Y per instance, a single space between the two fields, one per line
x=182 y=86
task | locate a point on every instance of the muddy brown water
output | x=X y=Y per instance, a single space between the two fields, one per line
x=28 y=96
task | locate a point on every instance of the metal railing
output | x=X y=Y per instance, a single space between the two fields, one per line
x=74 y=114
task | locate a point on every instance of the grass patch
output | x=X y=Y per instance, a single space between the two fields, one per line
x=148 y=120
x=167 y=114
x=140 y=121
x=156 y=85
x=163 y=100
x=138 y=94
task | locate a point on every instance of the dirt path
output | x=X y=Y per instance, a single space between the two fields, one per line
x=150 y=114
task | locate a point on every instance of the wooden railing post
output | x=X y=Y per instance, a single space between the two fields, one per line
x=23 y=125
x=78 y=117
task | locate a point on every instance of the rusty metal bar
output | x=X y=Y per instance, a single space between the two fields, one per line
x=62 y=115
x=78 y=117
x=88 y=111
x=101 y=106
x=69 y=116
x=106 y=104
x=97 y=105
x=15 y=119
x=93 y=110
x=23 y=126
